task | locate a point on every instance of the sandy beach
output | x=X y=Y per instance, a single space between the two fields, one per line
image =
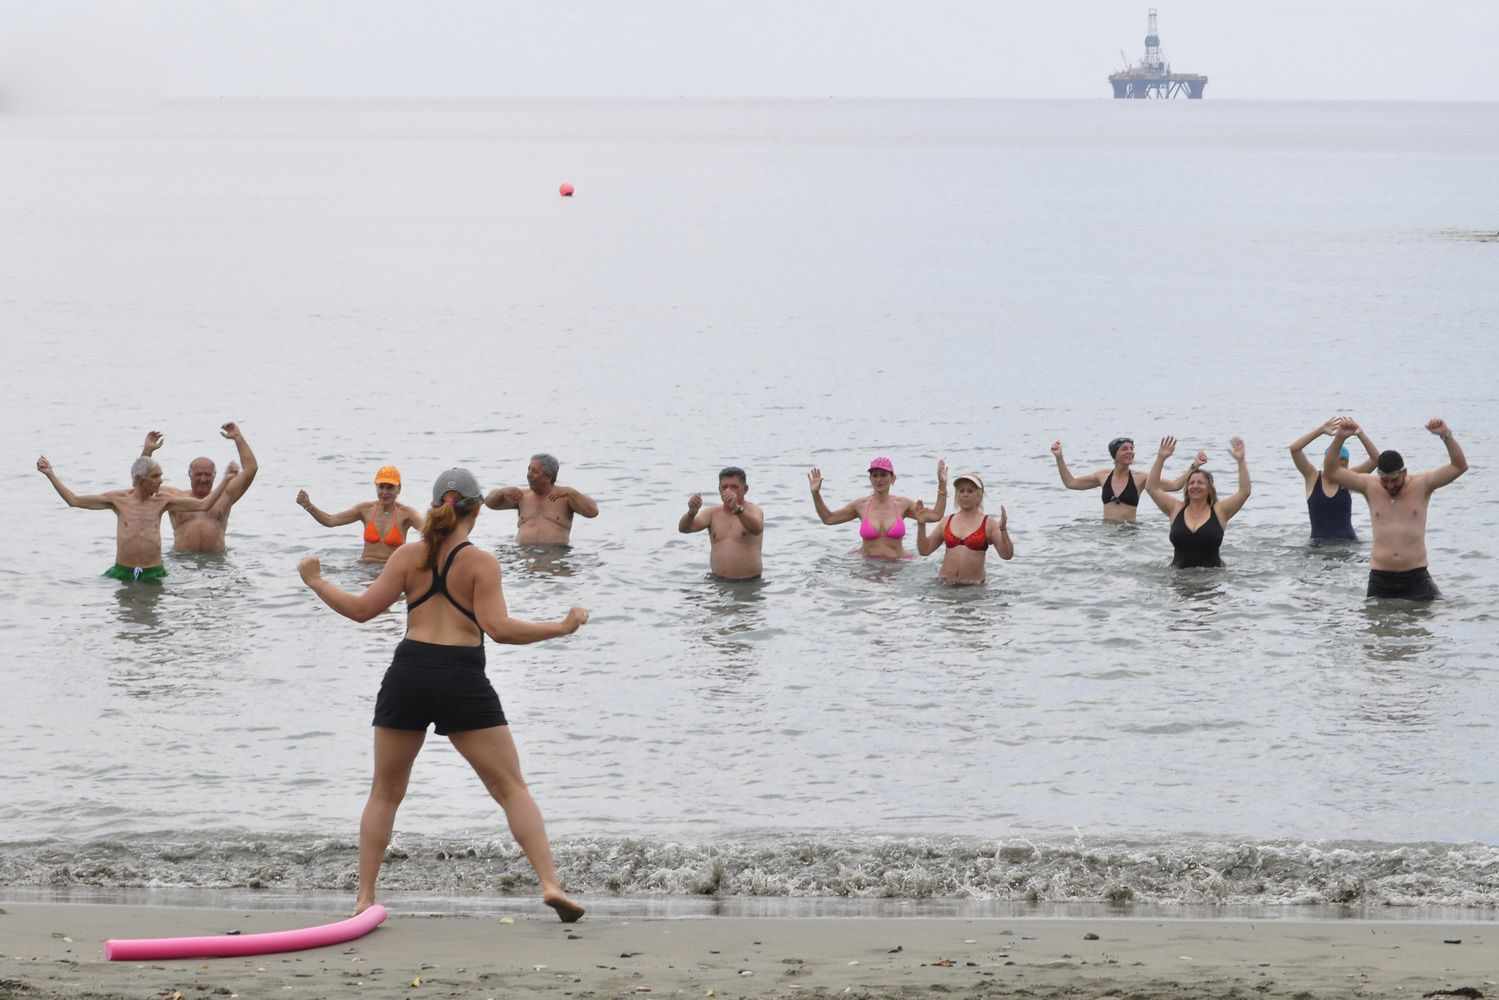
x=49 y=951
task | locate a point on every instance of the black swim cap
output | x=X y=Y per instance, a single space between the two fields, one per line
x=1115 y=444
x=1390 y=463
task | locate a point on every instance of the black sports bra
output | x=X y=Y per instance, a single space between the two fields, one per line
x=440 y=585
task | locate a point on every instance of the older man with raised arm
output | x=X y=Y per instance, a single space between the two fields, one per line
x=204 y=532
x=1397 y=510
x=736 y=527
x=545 y=509
x=138 y=513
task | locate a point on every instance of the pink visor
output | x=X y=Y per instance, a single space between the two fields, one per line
x=883 y=464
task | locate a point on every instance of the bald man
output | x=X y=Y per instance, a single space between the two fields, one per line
x=204 y=531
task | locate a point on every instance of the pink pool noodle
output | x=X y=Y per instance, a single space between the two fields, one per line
x=234 y=945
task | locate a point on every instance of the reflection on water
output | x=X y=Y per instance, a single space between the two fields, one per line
x=727 y=613
x=1397 y=630
x=1198 y=596
x=555 y=561
x=881 y=571
x=1339 y=550
x=138 y=610
x=974 y=616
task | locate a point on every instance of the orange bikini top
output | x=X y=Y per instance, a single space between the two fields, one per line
x=395 y=537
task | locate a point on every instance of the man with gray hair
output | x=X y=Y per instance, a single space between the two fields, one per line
x=546 y=510
x=205 y=532
x=138 y=513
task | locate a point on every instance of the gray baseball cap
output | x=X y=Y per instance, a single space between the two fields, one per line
x=460 y=481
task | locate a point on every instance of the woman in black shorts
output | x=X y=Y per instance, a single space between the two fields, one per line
x=453 y=598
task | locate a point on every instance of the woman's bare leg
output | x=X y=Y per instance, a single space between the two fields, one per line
x=491 y=753
x=395 y=752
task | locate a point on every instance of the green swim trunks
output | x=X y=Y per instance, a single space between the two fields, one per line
x=127 y=574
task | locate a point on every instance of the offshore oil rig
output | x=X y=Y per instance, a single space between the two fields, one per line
x=1152 y=76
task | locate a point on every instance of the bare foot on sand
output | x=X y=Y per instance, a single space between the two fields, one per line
x=364 y=904
x=567 y=911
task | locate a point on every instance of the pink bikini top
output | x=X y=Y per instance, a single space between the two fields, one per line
x=869 y=532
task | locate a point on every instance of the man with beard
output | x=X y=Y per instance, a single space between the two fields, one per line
x=204 y=531
x=1397 y=510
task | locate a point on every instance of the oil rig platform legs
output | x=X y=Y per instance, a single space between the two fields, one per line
x=1152 y=76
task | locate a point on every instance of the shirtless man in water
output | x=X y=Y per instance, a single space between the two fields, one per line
x=736 y=527
x=1397 y=509
x=138 y=513
x=546 y=509
x=204 y=532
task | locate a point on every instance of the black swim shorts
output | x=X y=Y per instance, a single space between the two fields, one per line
x=429 y=683
x=1409 y=585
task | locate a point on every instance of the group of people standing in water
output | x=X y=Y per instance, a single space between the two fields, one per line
x=1398 y=500
x=454 y=596
x=1198 y=517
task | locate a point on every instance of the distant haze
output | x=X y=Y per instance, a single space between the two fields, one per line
x=123 y=51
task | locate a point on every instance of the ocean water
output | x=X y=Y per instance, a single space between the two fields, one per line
x=773 y=285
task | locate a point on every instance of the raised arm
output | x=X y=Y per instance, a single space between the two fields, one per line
x=1229 y=506
x=918 y=510
x=999 y=535
x=1368 y=464
x=843 y=514
x=1298 y=447
x=1457 y=463
x=696 y=519
x=1091 y=481
x=1332 y=466
x=186 y=503
x=377 y=597
x=354 y=513
x=579 y=503
x=248 y=466
x=1175 y=485
x=86 y=502
x=504 y=498
x=494 y=617
x=576 y=502
x=752 y=518
x=1158 y=493
x=154 y=440
x=925 y=544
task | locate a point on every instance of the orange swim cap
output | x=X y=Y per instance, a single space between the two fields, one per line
x=388 y=474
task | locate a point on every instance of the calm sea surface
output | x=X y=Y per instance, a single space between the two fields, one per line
x=774 y=285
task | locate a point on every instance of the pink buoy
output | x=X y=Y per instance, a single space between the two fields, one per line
x=566 y=190
x=234 y=946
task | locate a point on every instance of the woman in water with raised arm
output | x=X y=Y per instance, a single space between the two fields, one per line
x=385 y=521
x=1197 y=523
x=1121 y=484
x=881 y=516
x=1331 y=514
x=968 y=534
x=437 y=676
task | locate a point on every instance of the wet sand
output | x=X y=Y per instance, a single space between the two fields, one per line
x=54 y=950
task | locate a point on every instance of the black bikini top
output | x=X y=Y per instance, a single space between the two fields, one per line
x=1129 y=496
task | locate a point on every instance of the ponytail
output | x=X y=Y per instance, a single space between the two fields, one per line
x=442 y=521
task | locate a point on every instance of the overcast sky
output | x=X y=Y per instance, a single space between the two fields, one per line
x=98 y=50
